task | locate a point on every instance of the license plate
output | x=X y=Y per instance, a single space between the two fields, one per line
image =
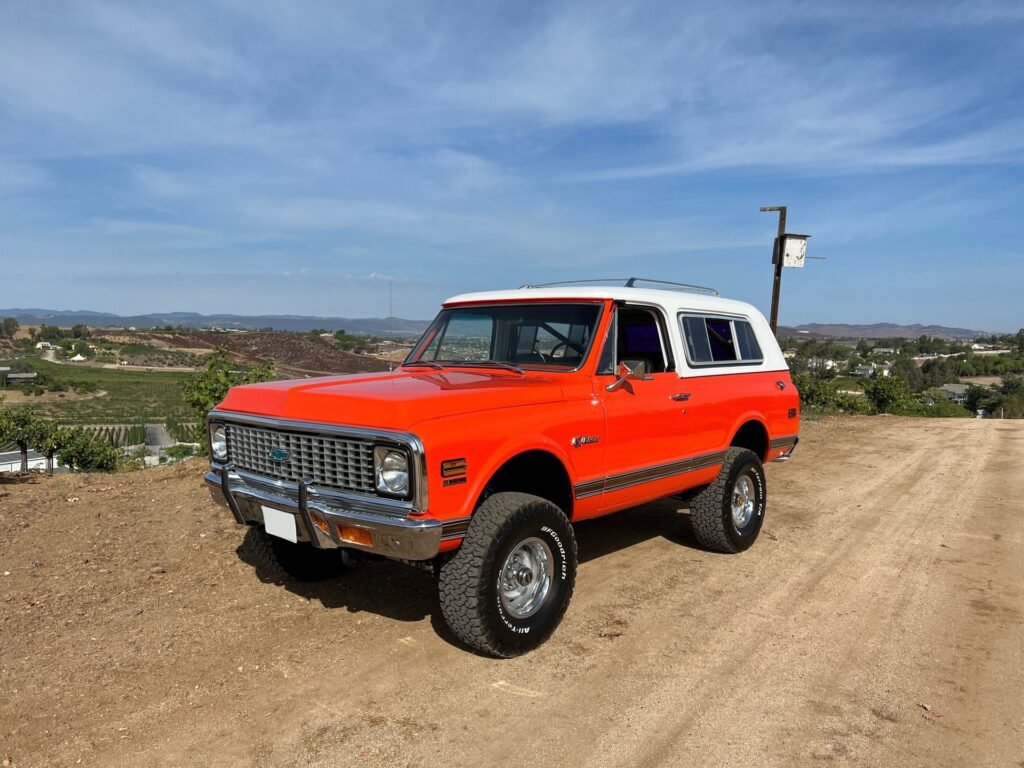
x=280 y=524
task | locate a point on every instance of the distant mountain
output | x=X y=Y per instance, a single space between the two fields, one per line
x=364 y=325
x=878 y=331
x=378 y=326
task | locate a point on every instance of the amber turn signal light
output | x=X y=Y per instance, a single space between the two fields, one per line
x=353 y=535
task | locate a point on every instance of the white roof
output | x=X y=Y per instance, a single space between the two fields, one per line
x=670 y=300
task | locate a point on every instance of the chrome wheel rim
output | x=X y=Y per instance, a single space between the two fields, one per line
x=742 y=501
x=525 y=579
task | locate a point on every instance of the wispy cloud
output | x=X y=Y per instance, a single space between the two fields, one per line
x=20 y=177
x=433 y=144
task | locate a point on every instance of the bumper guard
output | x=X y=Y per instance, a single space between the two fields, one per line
x=321 y=516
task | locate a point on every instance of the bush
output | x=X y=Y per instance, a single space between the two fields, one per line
x=180 y=451
x=206 y=388
x=854 y=404
x=84 y=451
x=891 y=395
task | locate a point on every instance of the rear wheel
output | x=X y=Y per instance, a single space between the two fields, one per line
x=727 y=515
x=278 y=560
x=508 y=586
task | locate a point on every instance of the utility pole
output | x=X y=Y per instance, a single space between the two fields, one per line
x=777 y=261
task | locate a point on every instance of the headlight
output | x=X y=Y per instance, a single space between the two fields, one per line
x=218 y=442
x=391 y=468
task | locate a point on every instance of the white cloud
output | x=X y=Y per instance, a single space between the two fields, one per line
x=388 y=140
x=18 y=177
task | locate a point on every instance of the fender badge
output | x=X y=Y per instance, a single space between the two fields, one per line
x=584 y=440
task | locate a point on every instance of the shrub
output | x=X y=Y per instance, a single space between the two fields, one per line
x=82 y=450
x=180 y=451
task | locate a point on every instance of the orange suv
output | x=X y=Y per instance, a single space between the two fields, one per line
x=516 y=414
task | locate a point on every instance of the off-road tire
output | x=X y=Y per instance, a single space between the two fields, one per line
x=711 y=511
x=469 y=582
x=278 y=561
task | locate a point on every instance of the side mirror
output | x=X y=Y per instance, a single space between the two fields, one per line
x=630 y=370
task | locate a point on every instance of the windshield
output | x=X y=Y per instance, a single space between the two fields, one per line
x=516 y=336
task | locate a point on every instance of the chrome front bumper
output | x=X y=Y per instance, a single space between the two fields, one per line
x=396 y=534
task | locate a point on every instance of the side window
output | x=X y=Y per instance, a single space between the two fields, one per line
x=606 y=365
x=719 y=340
x=723 y=350
x=749 y=348
x=640 y=337
x=698 y=348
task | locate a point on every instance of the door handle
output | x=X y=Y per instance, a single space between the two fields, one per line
x=681 y=396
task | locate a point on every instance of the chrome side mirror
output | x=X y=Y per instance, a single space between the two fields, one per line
x=630 y=370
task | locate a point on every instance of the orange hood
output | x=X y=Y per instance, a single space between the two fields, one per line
x=393 y=401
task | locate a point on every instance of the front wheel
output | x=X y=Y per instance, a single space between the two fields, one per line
x=727 y=515
x=508 y=586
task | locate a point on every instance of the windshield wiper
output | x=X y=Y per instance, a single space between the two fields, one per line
x=424 y=363
x=486 y=364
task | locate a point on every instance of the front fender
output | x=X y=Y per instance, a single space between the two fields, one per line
x=489 y=439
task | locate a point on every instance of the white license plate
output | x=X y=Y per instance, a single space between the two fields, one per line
x=280 y=524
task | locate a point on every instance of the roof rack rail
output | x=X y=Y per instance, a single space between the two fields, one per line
x=628 y=282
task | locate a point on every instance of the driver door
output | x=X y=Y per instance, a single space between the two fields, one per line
x=645 y=423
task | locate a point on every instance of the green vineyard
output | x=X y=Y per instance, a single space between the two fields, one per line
x=184 y=431
x=120 y=436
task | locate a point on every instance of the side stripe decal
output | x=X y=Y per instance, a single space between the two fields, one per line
x=647 y=475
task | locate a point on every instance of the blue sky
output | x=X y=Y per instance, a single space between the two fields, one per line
x=270 y=157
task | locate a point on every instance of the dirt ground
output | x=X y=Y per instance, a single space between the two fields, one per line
x=878 y=621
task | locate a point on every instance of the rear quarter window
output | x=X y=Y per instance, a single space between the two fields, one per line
x=712 y=340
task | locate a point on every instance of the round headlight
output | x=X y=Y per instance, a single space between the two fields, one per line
x=392 y=471
x=218 y=442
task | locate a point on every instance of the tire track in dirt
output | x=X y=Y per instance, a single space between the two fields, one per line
x=706 y=593
x=888 y=575
x=836 y=672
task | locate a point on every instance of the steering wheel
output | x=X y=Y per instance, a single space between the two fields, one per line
x=562 y=345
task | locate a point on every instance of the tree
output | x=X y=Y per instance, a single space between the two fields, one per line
x=21 y=430
x=938 y=372
x=1012 y=407
x=981 y=397
x=8 y=327
x=815 y=393
x=205 y=388
x=890 y=395
x=1013 y=385
x=49 y=438
x=83 y=450
x=5 y=423
x=908 y=370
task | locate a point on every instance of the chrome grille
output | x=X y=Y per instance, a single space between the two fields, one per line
x=334 y=462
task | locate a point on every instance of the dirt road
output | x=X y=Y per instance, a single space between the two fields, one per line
x=878 y=621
